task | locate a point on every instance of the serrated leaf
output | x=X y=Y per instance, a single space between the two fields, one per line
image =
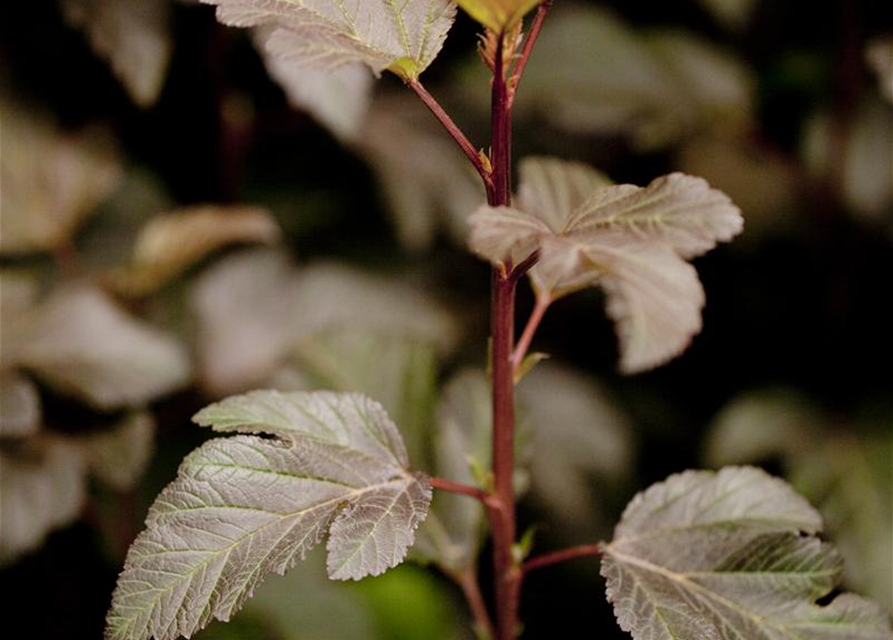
x=42 y=487
x=19 y=406
x=629 y=240
x=732 y=554
x=498 y=15
x=119 y=456
x=79 y=342
x=52 y=180
x=398 y=372
x=401 y=37
x=133 y=36
x=245 y=506
x=169 y=244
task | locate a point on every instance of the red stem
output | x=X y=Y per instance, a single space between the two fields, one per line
x=468 y=582
x=535 y=27
x=555 y=557
x=453 y=129
x=462 y=489
x=536 y=316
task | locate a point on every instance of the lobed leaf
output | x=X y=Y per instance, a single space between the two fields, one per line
x=629 y=240
x=244 y=506
x=731 y=554
x=402 y=37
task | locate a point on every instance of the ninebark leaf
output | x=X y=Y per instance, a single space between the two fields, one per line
x=402 y=37
x=79 y=342
x=629 y=240
x=729 y=555
x=244 y=506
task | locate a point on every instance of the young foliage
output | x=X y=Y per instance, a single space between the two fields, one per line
x=631 y=241
x=403 y=38
x=498 y=15
x=244 y=506
x=733 y=554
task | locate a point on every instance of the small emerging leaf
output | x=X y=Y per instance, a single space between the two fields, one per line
x=402 y=37
x=244 y=506
x=729 y=555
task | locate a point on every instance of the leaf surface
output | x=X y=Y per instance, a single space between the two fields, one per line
x=402 y=37
x=498 y=15
x=19 y=406
x=631 y=241
x=244 y=506
x=729 y=555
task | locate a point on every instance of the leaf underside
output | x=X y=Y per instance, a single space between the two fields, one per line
x=244 y=506
x=403 y=37
x=729 y=555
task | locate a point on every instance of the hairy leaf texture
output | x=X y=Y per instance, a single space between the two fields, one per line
x=244 y=506
x=730 y=555
x=631 y=241
x=403 y=37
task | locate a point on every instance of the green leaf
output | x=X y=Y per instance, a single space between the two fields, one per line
x=732 y=554
x=629 y=240
x=42 y=487
x=79 y=342
x=402 y=37
x=133 y=36
x=244 y=506
x=498 y=15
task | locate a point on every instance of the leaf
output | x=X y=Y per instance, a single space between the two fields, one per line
x=654 y=86
x=245 y=506
x=19 y=406
x=42 y=487
x=133 y=36
x=119 y=456
x=337 y=98
x=426 y=182
x=629 y=240
x=732 y=554
x=453 y=533
x=732 y=14
x=169 y=244
x=401 y=373
x=498 y=15
x=52 y=180
x=579 y=435
x=403 y=38
x=80 y=343
x=253 y=308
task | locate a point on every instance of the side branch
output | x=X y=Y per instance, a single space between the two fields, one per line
x=462 y=489
x=555 y=557
x=453 y=129
x=533 y=323
x=535 y=27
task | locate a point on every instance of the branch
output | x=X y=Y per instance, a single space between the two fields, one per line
x=536 y=316
x=555 y=557
x=524 y=266
x=462 y=489
x=535 y=28
x=453 y=129
x=468 y=582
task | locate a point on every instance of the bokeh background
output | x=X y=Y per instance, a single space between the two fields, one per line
x=183 y=219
